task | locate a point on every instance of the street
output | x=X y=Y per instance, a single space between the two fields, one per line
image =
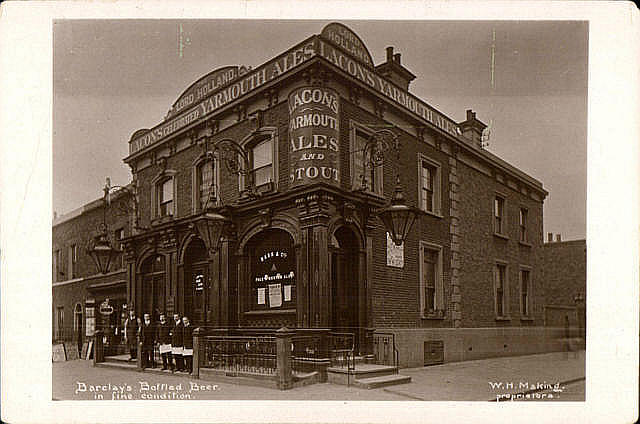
x=545 y=377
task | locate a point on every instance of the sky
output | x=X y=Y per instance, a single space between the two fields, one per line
x=112 y=77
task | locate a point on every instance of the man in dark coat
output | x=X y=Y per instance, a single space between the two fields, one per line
x=148 y=339
x=176 y=343
x=131 y=332
x=187 y=337
x=163 y=337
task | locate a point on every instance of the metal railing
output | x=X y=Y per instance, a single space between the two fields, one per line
x=341 y=350
x=385 y=351
x=240 y=354
x=306 y=353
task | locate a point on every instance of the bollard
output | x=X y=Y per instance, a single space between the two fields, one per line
x=283 y=358
x=198 y=352
x=139 y=364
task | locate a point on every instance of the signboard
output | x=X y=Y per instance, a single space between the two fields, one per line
x=199 y=282
x=222 y=96
x=72 y=351
x=106 y=308
x=85 y=346
x=395 y=254
x=89 y=350
x=205 y=86
x=59 y=354
x=387 y=88
x=342 y=36
x=275 y=295
x=313 y=136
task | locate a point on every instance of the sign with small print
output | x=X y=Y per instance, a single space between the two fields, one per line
x=395 y=254
x=59 y=354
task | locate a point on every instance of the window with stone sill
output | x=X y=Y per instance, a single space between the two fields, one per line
x=524 y=217
x=164 y=198
x=431 y=281
x=498 y=213
x=501 y=291
x=526 y=298
x=364 y=175
x=205 y=184
x=429 y=185
x=262 y=154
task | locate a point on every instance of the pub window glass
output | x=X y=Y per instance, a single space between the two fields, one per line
x=262 y=162
x=206 y=183
x=165 y=198
x=500 y=283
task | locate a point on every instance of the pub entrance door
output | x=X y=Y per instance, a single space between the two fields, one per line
x=153 y=284
x=344 y=282
x=196 y=282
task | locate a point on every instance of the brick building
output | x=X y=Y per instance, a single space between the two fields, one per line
x=564 y=270
x=281 y=157
x=84 y=299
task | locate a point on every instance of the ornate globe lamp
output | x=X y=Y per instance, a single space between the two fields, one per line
x=101 y=251
x=210 y=228
x=397 y=217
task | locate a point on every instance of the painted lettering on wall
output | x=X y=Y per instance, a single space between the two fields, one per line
x=390 y=90
x=218 y=98
x=313 y=136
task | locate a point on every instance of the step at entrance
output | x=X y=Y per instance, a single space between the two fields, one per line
x=366 y=376
x=383 y=381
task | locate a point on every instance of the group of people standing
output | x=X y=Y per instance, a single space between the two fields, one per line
x=174 y=340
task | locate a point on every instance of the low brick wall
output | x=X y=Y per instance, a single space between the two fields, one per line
x=463 y=344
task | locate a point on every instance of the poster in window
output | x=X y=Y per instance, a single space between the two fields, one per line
x=287 y=293
x=275 y=295
x=261 y=295
x=395 y=254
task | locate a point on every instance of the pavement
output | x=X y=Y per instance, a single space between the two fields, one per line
x=555 y=376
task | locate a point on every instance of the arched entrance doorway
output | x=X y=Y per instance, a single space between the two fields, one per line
x=153 y=284
x=196 y=281
x=345 y=278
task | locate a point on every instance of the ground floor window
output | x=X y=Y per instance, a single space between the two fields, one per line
x=60 y=323
x=525 y=293
x=500 y=290
x=431 y=282
x=273 y=276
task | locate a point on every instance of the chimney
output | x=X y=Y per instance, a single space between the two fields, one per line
x=558 y=238
x=550 y=237
x=393 y=70
x=472 y=128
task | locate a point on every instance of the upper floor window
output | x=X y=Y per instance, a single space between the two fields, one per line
x=500 y=290
x=206 y=184
x=429 y=185
x=431 y=283
x=165 y=197
x=73 y=259
x=523 y=225
x=262 y=162
x=498 y=213
x=57 y=264
x=365 y=175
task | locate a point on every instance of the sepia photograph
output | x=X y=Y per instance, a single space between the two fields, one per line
x=363 y=212
x=274 y=209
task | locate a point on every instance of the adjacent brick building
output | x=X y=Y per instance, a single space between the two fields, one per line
x=290 y=167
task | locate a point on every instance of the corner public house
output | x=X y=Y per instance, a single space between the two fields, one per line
x=281 y=156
